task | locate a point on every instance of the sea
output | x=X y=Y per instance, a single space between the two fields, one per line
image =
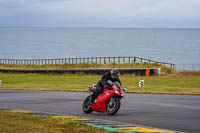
x=178 y=46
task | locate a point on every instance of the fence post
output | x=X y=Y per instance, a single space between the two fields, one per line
x=69 y=60
x=129 y=59
x=65 y=60
x=100 y=59
x=80 y=61
x=171 y=66
x=92 y=60
x=134 y=59
x=118 y=59
x=72 y=60
x=76 y=61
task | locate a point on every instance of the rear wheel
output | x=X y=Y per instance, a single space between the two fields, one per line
x=113 y=105
x=86 y=105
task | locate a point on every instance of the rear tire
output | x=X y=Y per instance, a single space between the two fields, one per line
x=113 y=106
x=86 y=105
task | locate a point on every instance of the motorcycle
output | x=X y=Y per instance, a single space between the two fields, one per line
x=108 y=101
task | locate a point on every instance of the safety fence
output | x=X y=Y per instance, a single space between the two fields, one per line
x=92 y=60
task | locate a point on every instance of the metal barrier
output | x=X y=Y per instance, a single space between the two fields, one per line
x=94 y=60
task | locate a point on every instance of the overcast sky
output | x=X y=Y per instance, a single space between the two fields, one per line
x=101 y=13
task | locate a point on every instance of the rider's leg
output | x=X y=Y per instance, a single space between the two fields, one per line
x=98 y=91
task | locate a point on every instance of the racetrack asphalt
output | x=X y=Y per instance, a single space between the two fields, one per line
x=171 y=112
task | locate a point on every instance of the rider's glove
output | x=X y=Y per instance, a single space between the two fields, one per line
x=109 y=82
x=124 y=89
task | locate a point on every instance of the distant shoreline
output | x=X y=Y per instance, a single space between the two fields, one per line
x=137 y=28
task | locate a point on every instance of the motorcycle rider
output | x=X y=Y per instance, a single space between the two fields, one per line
x=111 y=76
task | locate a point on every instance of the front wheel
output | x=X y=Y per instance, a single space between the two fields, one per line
x=113 y=105
x=86 y=105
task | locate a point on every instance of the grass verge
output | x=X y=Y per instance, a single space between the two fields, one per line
x=22 y=123
x=180 y=83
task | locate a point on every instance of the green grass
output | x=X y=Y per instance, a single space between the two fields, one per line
x=22 y=123
x=180 y=83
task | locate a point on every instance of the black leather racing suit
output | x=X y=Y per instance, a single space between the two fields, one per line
x=100 y=85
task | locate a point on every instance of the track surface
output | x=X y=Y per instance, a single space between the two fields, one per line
x=172 y=112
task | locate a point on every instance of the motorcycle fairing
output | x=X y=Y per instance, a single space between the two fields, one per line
x=100 y=104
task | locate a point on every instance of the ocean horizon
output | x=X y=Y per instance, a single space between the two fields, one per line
x=174 y=45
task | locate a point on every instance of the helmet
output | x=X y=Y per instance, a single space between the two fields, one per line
x=115 y=73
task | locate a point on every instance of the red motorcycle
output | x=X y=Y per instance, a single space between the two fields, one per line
x=108 y=101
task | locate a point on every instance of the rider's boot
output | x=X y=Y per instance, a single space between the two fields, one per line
x=92 y=98
x=96 y=94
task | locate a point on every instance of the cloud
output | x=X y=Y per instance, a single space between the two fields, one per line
x=113 y=11
x=115 y=8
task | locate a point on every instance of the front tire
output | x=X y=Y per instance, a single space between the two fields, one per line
x=86 y=105
x=113 y=106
